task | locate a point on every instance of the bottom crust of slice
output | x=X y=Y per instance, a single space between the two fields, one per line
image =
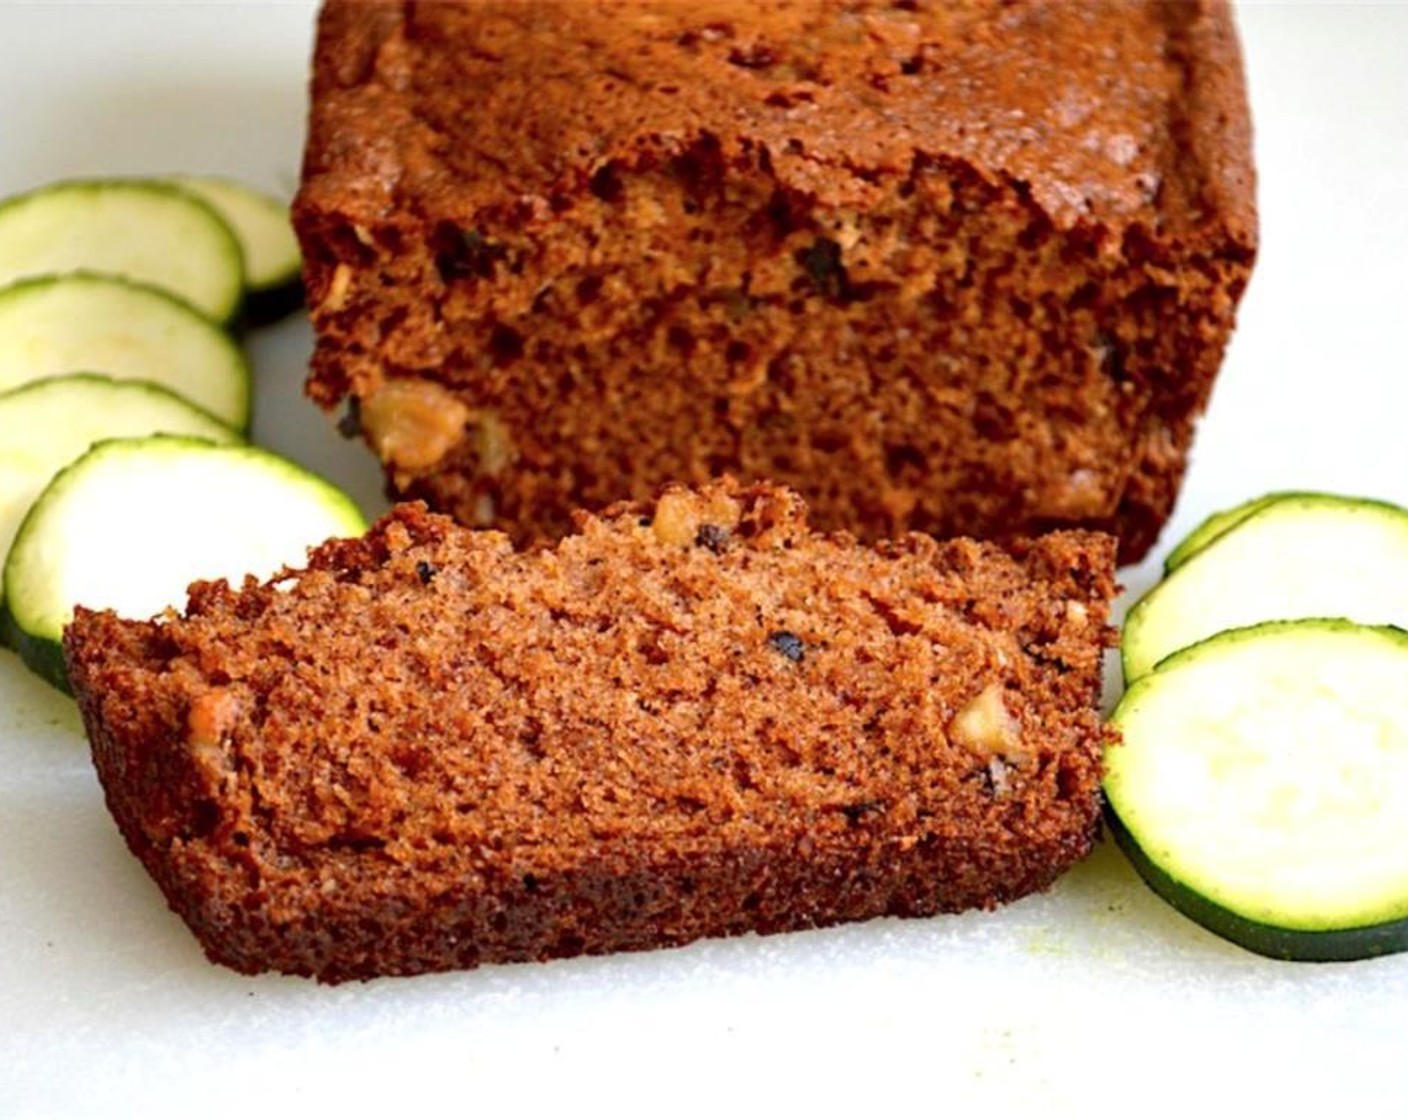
x=692 y=718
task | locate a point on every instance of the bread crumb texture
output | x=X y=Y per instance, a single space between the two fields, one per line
x=956 y=267
x=692 y=717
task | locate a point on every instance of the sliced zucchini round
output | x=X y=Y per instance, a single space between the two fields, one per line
x=147 y=230
x=47 y=424
x=1218 y=523
x=86 y=321
x=1261 y=786
x=134 y=521
x=1301 y=556
x=272 y=262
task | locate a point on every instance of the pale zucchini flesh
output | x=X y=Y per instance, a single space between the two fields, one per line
x=88 y=322
x=47 y=424
x=147 y=230
x=260 y=222
x=1261 y=786
x=1301 y=556
x=1218 y=523
x=133 y=522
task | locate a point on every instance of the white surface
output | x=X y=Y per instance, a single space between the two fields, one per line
x=1094 y=997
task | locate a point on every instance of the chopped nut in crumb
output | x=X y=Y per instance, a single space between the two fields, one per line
x=492 y=441
x=484 y=510
x=676 y=518
x=680 y=516
x=984 y=724
x=338 y=287
x=211 y=717
x=999 y=785
x=412 y=423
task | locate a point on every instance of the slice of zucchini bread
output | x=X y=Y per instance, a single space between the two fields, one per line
x=429 y=750
x=962 y=268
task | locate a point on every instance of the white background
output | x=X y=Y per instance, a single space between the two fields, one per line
x=1095 y=998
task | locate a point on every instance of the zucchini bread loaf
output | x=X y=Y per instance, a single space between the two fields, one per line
x=963 y=268
x=429 y=750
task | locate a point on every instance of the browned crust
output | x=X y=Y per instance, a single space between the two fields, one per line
x=1216 y=127
x=1164 y=230
x=408 y=758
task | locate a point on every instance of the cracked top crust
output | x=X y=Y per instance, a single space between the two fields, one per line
x=1109 y=113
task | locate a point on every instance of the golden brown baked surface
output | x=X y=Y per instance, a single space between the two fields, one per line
x=964 y=268
x=429 y=750
x=959 y=268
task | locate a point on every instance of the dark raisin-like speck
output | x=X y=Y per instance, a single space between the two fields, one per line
x=855 y=812
x=350 y=425
x=713 y=537
x=756 y=56
x=462 y=254
x=822 y=264
x=425 y=570
x=787 y=644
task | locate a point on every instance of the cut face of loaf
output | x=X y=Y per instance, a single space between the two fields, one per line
x=430 y=751
x=956 y=268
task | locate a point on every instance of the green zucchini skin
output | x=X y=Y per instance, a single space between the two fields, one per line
x=1168 y=810
x=91 y=207
x=48 y=423
x=173 y=495
x=1216 y=524
x=127 y=330
x=261 y=223
x=1310 y=946
x=1281 y=584
x=41 y=656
